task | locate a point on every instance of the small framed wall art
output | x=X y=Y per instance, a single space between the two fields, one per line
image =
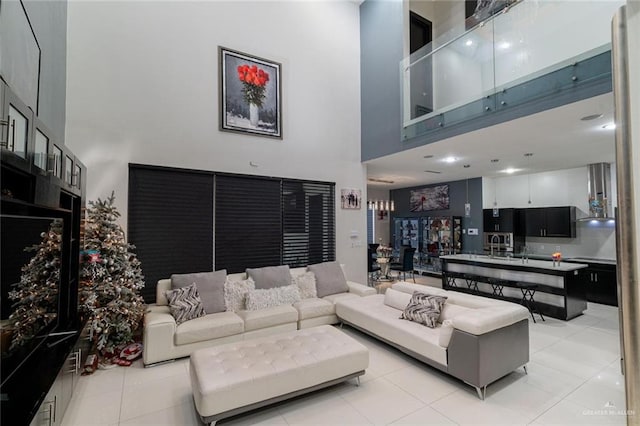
x=350 y=198
x=250 y=94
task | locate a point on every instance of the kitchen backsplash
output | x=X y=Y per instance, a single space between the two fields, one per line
x=595 y=240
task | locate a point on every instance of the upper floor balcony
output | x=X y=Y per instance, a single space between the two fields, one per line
x=531 y=56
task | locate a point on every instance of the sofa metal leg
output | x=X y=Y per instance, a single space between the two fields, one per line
x=481 y=391
x=213 y=423
x=358 y=381
x=525 y=369
x=341 y=324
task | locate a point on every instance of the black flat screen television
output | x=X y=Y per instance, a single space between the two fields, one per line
x=30 y=286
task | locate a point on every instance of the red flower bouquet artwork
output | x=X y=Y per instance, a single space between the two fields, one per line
x=254 y=80
x=251 y=95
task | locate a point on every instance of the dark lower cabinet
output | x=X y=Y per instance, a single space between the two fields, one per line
x=601 y=283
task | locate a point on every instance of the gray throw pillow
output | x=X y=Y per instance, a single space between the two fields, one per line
x=270 y=276
x=329 y=278
x=185 y=303
x=424 y=309
x=210 y=287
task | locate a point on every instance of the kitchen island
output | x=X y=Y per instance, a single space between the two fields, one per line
x=560 y=292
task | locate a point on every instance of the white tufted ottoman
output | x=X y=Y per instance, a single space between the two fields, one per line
x=236 y=377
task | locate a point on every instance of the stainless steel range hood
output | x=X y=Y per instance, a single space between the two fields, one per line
x=599 y=184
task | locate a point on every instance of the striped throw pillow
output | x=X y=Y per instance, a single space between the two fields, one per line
x=424 y=309
x=185 y=303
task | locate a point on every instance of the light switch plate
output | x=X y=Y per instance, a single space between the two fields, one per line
x=472 y=231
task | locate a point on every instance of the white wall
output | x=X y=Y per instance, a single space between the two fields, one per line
x=556 y=188
x=143 y=87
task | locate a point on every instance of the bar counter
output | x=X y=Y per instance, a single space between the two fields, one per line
x=560 y=293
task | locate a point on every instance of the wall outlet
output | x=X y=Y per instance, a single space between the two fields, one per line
x=472 y=231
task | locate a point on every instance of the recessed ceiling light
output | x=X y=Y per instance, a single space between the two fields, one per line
x=591 y=117
x=450 y=159
x=609 y=126
x=505 y=45
x=468 y=43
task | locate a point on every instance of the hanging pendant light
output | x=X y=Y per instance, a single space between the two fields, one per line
x=529 y=155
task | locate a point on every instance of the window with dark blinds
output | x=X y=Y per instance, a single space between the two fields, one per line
x=308 y=212
x=248 y=222
x=170 y=221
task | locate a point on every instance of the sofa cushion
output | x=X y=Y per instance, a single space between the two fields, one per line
x=313 y=308
x=185 y=303
x=451 y=310
x=297 y=271
x=235 y=293
x=329 y=278
x=269 y=317
x=208 y=327
x=267 y=298
x=396 y=299
x=210 y=287
x=484 y=320
x=270 y=276
x=306 y=284
x=424 y=309
x=333 y=298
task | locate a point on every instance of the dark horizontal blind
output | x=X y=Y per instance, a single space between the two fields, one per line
x=308 y=210
x=248 y=222
x=170 y=222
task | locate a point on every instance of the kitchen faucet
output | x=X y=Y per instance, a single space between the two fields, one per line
x=497 y=238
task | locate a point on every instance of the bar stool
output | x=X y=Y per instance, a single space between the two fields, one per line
x=472 y=282
x=497 y=285
x=450 y=278
x=528 y=291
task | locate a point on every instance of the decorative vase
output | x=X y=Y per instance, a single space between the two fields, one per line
x=253 y=114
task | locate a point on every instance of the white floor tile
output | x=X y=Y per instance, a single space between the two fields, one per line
x=424 y=416
x=137 y=374
x=424 y=383
x=152 y=395
x=184 y=414
x=567 y=413
x=100 y=382
x=324 y=408
x=522 y=397
x=555 y=382
x=380 y=401
x=597 y=339
x=101 y=409
x=464 y=407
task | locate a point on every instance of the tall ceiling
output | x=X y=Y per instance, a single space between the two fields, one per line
x=557 y=138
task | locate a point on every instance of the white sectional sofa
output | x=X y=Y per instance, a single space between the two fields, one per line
x=165 y=340
x=477 y=339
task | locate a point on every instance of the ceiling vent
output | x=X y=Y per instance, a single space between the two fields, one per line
x=376 y=180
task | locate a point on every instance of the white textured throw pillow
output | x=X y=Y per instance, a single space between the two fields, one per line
x=306 y=284
x=268 y=298
x=235 y=293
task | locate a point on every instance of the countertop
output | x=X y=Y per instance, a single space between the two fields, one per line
x=532 y=263
x=592 y=260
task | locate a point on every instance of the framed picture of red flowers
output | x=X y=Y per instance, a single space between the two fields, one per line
x=250 y=94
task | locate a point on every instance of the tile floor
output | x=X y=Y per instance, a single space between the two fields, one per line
x=573 y=379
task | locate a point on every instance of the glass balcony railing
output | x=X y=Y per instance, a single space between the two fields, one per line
x=503 y=62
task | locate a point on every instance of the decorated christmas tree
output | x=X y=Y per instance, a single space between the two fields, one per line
x=110 y=279
x=36 y=295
